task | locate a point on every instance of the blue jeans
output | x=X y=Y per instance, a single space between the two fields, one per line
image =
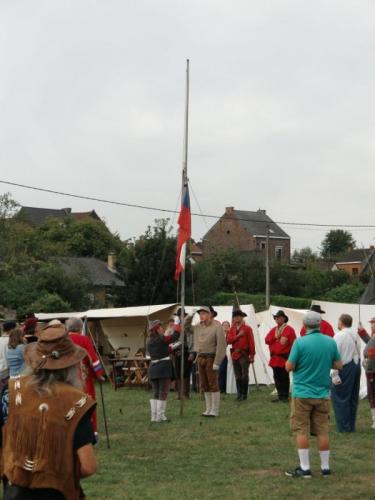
x=345 y=397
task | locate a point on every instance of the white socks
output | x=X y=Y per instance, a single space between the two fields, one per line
x=324 y=460
x=304 y=459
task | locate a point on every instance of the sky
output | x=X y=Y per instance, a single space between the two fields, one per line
x=282 y=108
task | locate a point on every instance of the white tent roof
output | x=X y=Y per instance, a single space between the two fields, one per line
x=115 y=312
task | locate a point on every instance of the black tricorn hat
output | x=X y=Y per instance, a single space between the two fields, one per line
x=238 y=312
x=178 y=312
x=281 y=314
x=213 y=312
x=317 y=308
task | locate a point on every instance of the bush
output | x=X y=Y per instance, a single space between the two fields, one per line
x=50 y=303
x=348 y=293
x=259 y=300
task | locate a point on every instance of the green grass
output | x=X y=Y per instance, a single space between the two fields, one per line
x=240 y=455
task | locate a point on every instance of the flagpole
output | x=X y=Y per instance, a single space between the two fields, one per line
x=182 y=281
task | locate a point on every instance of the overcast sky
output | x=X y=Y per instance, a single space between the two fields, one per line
x=282 y=107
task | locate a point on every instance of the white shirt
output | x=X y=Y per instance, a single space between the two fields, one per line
x=346 y=340
x=3 y=354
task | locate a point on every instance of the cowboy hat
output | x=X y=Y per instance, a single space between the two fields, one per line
x=317 y=308
x=54 y=350
x=204 y=309
x=281 y=314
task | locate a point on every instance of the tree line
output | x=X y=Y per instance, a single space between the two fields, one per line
x=31 y=278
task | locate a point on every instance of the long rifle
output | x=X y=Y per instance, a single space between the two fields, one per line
x=87 y=330
x=252 y=364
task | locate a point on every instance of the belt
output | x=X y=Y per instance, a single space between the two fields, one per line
x=161 y=359
x=206 y=355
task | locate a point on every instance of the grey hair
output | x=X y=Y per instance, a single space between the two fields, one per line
x=311 y=320
x=74 y=325
x=42 y=381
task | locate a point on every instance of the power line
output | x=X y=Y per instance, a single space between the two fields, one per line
x=165 y=210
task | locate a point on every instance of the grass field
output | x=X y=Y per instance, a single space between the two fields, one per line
x=242 y=454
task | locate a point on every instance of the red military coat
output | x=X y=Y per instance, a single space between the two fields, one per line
x=241 y=345
x=325 y=328
x=279 y=352
x=91 y=368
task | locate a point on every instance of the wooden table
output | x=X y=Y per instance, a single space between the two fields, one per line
x=130 y=372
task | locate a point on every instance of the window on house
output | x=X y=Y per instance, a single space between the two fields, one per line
x=278 y=252
x=354 y=270
x=263 y=245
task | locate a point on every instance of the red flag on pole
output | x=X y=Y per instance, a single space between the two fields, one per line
x=184 y=231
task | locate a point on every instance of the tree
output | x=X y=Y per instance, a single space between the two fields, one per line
x=147 y=267
x=304 y=256
x=336 y=242
x=79 y=238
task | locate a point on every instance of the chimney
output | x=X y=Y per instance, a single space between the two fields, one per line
x=229 y=211
x=111 y=262
x=261 y=211
x=68 y=211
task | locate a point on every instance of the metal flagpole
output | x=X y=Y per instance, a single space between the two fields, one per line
x=182 y=281
x=268 y=268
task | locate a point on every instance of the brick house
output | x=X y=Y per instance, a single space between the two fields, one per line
x=357 y=261
x=247 y=232
x=102 y=276
x=36 y=216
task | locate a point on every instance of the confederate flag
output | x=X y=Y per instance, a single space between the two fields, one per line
x=184 y=232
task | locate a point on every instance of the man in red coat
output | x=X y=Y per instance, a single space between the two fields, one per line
x=91 y=367
x=325 y=327
x=280 y=340
x=241 y=337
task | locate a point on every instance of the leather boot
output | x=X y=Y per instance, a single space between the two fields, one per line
x=161 y=406
x=154 y=410
x=239 y=390
x=208 y=399
x=215 y=404
x=187 y=388
x=245 y=389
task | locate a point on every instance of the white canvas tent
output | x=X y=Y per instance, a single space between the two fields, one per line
x=121 y=327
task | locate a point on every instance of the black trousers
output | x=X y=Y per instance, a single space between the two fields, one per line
x=281 y=378
x=187 y=366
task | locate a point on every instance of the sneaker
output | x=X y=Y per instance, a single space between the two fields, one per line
x=298 y=472
x=326 y=472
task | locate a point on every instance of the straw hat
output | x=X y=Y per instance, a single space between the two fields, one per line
x=54 y=349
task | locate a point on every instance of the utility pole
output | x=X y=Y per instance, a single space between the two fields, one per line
x=268 y=267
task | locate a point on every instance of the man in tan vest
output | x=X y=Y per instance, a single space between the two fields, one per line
x=208 y=349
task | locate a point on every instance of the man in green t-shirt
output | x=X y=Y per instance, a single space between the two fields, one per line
x=311 y=360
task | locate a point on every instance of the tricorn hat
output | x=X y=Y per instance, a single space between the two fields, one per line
x=54 y=350
x=178 y=312
x=238 y=312
x=317 y=308
x=281 y=314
